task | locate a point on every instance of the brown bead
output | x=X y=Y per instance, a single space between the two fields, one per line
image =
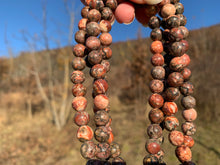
x=154 y=22
x=112 y=4
x=103 y=151
x=179 y=8
x=189 y=128
x=177 y=64
x=171 y=123
x=98 y=71
x=170 y=108
x=176 y=34
x=94 y=57
x=189 y=114
x=172 y=21
x=156 y=86
x=100 y=86
x=156 y=100
x=157 y=60
x=78 y=90
x=105 y=26
x=150 y=159
x=106 y=65
x=115 y=150
x=101 y=134
x=156 y=47
x=80 y=36
x=156 y=116
x=176 y=138
x=85 y=11
x=188 y=102
x=94 y=15
x=77 y=77
x=84 y=133
x=188 y=141
x=82 y=24
x=93 y=43
x=101 y=101
x=175 y=79
x=78 y=63
x=107 y=13
x=186 y=72
x=106 y=52
x=158 y=72
x=187 y=88
x=93 y=29
x=88 y=150
x=172 y=94
x=79 y=103
x=154 y=131
x=178 y=48
x=156 y=34
x=183 y=153
x=81 y=118
x=160 y=155
x=183 y=19
x=95 y=4
x=79 y=50
x=106 y=39
x=101 y=118
x=168 y=10
x=185 y=31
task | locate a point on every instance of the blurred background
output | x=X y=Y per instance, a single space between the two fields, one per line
x=36 y=118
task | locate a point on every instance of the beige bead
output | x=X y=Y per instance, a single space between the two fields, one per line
x=168 y=10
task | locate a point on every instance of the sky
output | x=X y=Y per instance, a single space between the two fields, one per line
x=25 y=15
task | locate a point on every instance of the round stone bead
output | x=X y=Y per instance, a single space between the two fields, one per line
x=157 y=60
x=80 y=36
x=78 y=90
x=189 y=128
x=93 y=43
x=93 y=29
x=172 y=21
x=105 y=26
x=150 y=159
x=172 y=94
x=154 y=131
x=153 y=148
x=186 y=59
x=156 y=47
x=106 y=39
x=156 y=34
x=101 y=101
x=95 y=4
x=185 y=31
x=98 y=71
x=176 y=34
x=88 y=150
x=94 y=15
x=78 y=63
x=77 y=77
x=156 y=86
x=175 y=79
x=176 y=138
x=189 y=163
x=106 y=65
x=106 y=52
x=170 y=108
x=103 y=151
x=179 y=8
x=168 y=10
x=81 y=118
x=115 y=150
x=160 y=155
x=188 y=141
x=171 y=123
x=156 y=116
x=186 y=72
x=118 y=161
x=101 y=134
x=79 y=50
x=178 y=48
x=154 y=22
x=112 y=4
x=177 y=64
x=84 y=133
x=158 y=72
x=79 y=103
x=189 y=114
x=101 y=118
x=183 y=153
x=107 y=13
x=187 y=88
x=85 y=11
x=188 y=102
x=82 y=24
x=94 y=57
x=156 y=100
x=100 y=86
x=183 y=19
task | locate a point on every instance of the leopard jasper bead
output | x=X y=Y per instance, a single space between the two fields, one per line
x=154 y=131
x=100 y=86
x=153 y=148
x=80 y=36
x=188 y=102
x=189 y=114
x=172 y=94
x=101 y=101
x=77 y=77
x=101 y=118
x=187 y=88
x=94 y=15
x=79 y=103
x=105 y=39
x=84 y=133
x=150 y=159
x=78 y=63
x=188 y=141
x=107 y=13
x=105 y=26
x=156 y=116
x=93 y=29
x=106 y=52
x=157 y=60
x=175 y=79
x=179 y=8
x=93 y=43
x=176 y=138
x=156 y=100
x=183 y=19
x=186 y=72
x=156 y=86
x=156 y=34
x=112 y=4
x=98 y=71
x=95 y=4
x=103 y=151
x=170 y=108
x=94 y=57
x=81 y=118
x=88 y=150
x=115 y=150
x=171 y=123
x=189 y=128
x=82 y=24
x=172 y=21
x=154 y=22
x=158 y=72
x=78 y=90
x=183 y=153
x=85 y=11
x=106 y=65
x=101 y=134
x=79 y=50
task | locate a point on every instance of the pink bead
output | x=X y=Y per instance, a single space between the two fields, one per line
x=189 y=114
x=124 y=13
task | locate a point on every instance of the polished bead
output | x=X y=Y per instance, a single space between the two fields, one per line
x=106 y=52
x=189 y=128
x=107 y=13
x=153 y=148
x=78 y=63
x=172 y=21
x=103 y=151
x=156 y=47
x=177 y=64
x=150 y=160
x=95 y=4
x=112 y=4
x=172 y=94
x=156 y=100
x=186 y=59
x=154 y=131
x=115 y=150
x=81 y=118
x=78 y=90
x=188 y=141
x=94 y=57
x=168 y=10
x=154 y=22
x=156 y=86
x=160 y=156
x=175 y=79
x=88 y=150
x=82 y=24
x=183 y=153
x=79 y=50
x=156 y=116
x=94 y=15
x=176 y=34
x=101 y=134
x=189 y=114
x=105 y=26
x=101 y=118
x=186 y=72
x=183 y=19
x=93 y=29
x=171 y=123
x=79 y=103
x=189 y=163
x=156 y=34
x=105 y=39
x=101 y=101
x=106 y=65
x=93 y=43
x=100 y=86
x=187 y=88
x=158 y=72
x=98 y=71
x=179 y=8
x=118 y=161
x=170 y=108
x=157 y=60
x=185 y=31
x=84 y=133
x=85 y=11
x=188 y=102
x=176 y=138
x=178 y=48
x=77 y=77
x=80 y=36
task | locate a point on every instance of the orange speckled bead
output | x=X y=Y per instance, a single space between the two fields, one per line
x=85 y=11
x=186 y=59
x=88 y=150
x=157 y=60
x=154 y=131
x=183 y=153
x=188 y=141
x=106 y=39
x=80 y=36
x=79 y=103
x=78 y=90
x=103 y=151
x=93 y=43
x=189 y=128
x=82 y=24
x=156 y=116
x=81 y=118
x=79 y=50
x=158 y=72
x=94 y=15
x=170 y=108
x=101 y=101
x=177 y=64
x=168 y=10
x=101 y=134
x=189 y=114
x=84 y=133
x=186 y=72
x=187 y=88
x=93 y=29
x=156 y=100
x=176 y=138
x=98 y=71
x=106 y=52
x=171 y=123
x=106 y=65
x=101 y=118
x=100 y=86
x=175 y=79
x=77 y=77
x=78 y=63
x=156 y=47
x=105 y=26
x=160 y=155
x=156 y=86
